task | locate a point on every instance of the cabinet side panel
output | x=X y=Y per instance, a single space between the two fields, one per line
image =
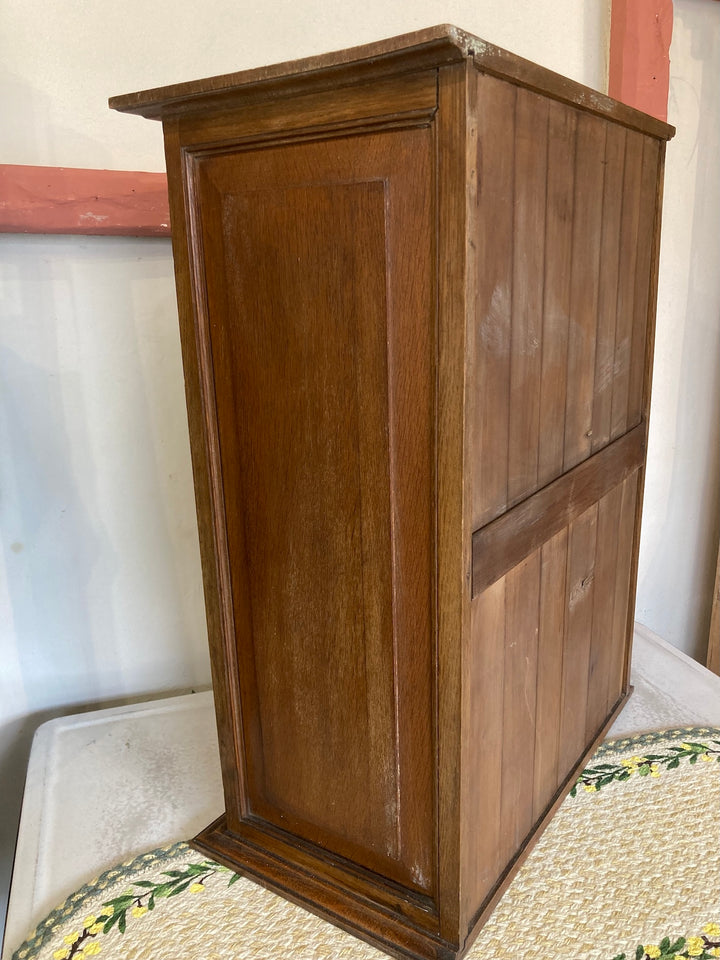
x=320 y=330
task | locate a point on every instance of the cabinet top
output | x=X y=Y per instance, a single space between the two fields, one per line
x=423 y=49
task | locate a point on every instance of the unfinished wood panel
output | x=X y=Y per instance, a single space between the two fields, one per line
x=607 y=294
x=627 y=279
x=492 y=317
x=599 y=681
x=622 y=615
x=589 y=175
x=641 y=295
x=551 y=643
x=579 y=600
x=562 y=127
x=531 y=143
x=522 y=598
x=484 y=747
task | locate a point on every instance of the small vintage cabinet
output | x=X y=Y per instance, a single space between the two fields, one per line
x=417 y=285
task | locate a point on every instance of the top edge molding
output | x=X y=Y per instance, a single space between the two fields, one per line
x=426 y=49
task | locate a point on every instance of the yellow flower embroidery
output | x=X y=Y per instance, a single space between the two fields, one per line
x=60 y=954
x=95 y=929
x=714 y=952
x=139 y=911
x=80 y=955
x=92 y=950
x=654 y=772
x=652 y=951
x=89 y=921
x=590 y=788
x=694 y=946
x=712 y=929
x=196 y=887
x=71 y=938
x=706 y=757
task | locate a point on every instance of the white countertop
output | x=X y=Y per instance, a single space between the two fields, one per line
x=103 y=787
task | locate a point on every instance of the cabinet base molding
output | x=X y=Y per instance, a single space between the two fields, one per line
x=385 y=929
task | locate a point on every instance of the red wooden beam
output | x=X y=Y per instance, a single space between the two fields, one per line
x=78 y=201
x=640 y=34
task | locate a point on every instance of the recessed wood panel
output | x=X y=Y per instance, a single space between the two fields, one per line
x=314 y=358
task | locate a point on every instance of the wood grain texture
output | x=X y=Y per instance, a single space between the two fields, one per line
x=584 y=289
x=530 y=176
x=551 y=643
x=453 y=527
x=559 y=220
x=491 y=244
x=304 y=407
x=522 y=602
x=416 y=285
x=610 y=256
x=503 y=543
x=580 y=585
x=433 y=46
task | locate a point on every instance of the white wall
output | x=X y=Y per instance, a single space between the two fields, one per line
x=682 y=495
x=100 y=590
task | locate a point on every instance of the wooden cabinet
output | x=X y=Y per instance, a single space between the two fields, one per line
x=416 y=284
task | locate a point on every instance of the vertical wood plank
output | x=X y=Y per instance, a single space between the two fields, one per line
x=562 y=126
x=601 y=642
x=643 y=280
x=589 y=175
x=579 y=600
x=531 y=133
x=608 y=292
x=453 y=536
x=549 y=670
x=493 y=305
x=624 y=589
x=519 y=702
x=629 y=225
x=482 y=768
x=212 y=548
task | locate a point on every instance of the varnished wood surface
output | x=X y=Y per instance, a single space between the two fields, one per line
x=416 y=286
x=316 y=367
x=501 y=544
x=561 y=323
x=431 y=47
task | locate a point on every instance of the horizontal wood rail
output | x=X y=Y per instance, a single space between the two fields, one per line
x=73 y=200
x=504 y=542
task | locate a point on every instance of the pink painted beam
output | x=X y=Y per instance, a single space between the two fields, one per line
x=640 y=34
x=76 y=201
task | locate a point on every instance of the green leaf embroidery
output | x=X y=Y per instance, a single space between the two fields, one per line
x=180 y=889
